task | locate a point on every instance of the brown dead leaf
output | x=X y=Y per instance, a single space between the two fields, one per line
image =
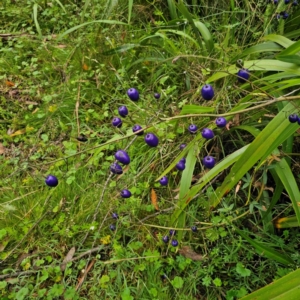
x=238 y=186
x=188 y=252
x=2 y=149
x=68 y=258
x=153 y=197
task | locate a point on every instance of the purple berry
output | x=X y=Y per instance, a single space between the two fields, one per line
x=207 y=133
x=151 y=139
x=137 y=128
x=194 y=229
x=117 y=122
x=193 y=128
x=82 y=138
x=115 y=216
x=180 y=166
x=112 y=227
x=123 y=111
x=183 y=160
x=298 y=120
x=221 y=122
x=125 y=193
x=286 y=1
x=51 y=180
x=182 y=146
x=285 y=15
x=207 y=92
x=116 y=168
x=275 y=1
x=174 y=243
x=209 y=162
x=243 y=75
x=122 y=157
x=172 y=232
x=295 y=3
x=133 y=94
x=156 y=95
x=293 y=118
x=165 y=239
x=164 y=180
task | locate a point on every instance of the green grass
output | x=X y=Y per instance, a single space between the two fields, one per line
x=65 y=68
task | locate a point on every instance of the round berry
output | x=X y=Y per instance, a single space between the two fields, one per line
x=82 y=138
x=182 y=146
x=123 y=111
x=136 y=128
x=125 y=193
x=180 y=166
x=172 y=232
x=221 y=122
x=298 y=120
x=133 y=94
x=295 y=3
x=151 y=139
x=285 y=15
x=207 y=92
x=207 y=133
x=293 y=118
x=275 y=1
x=112 y=227
x=122 y=157
x=174 y=243
x=164 y=180
x=115 y=216
x=183 y=160
x=193 y=128
x=194 y=229
x=243 y=75
x=286 y=1
x=209 y=162
x=165 y=239
x=116 y=168
x=156 y=95
x=117 y=122
x=51 y=180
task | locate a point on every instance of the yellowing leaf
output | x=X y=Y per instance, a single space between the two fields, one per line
x=52 y=108
x=105 y=240
x=153 y=197
x=18 y=132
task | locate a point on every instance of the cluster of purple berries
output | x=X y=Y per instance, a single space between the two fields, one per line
x=166 y=238
x=284 y=15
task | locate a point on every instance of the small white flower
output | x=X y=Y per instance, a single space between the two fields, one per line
x=92 y=227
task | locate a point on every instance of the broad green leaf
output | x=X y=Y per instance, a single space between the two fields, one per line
x=265 y=47
x=266 y=251
x=196 y=109
x=279 y=39
x=292 y=49
x=287 y=287
x=111 y=22
x=258 y=65
x=294 y=59
x=172 y=9
x=275 y=133
x=206 y=35
x=185 y=183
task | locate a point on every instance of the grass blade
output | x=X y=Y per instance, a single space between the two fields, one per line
x=287 y=287
x=35 y=18
x=111 y=22
x=265 y=250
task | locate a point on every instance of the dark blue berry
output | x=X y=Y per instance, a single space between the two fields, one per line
x=136 y=128
x=207 y=133
x=207 y=92
x=117 y=122
x=156 y=95
x=133 y=94
x=165 y=239
x=115 y=215
x=180 y=166
x=209 y=162
x=164 y=180
x=51 y=181
x=172 y=232
x=125 y=193
x=293 y=118
x=116 y=168
x=123 y=111
x=151 y=139
x=194 y=229
x=112 y=227
x=193 y=128
x=182 y=146
x=174 y=243
x=221 y=122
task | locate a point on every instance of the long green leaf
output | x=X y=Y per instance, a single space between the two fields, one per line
x=266 y=251
x=185 y=183
x=196 y=109
x=275 y=133
x=279 y=39
x=35 y=18
x=172 y=9
x=111 y=22
x=293 y=49
x=258 y=65
x=285 y=288
x=130 y=4
x=206 y=35
x=265 y=47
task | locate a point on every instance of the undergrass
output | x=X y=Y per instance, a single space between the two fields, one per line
x=65 y=68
